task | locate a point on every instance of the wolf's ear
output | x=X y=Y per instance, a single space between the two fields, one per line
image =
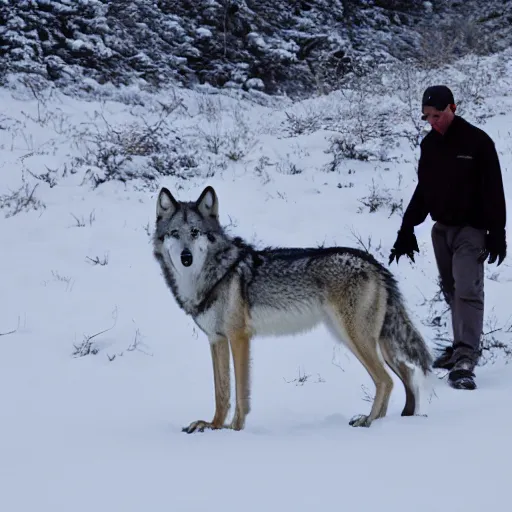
x=208 y=203
x=166 y=205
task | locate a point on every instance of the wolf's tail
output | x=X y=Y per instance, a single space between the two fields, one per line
x=408 y=354
x=406 y=344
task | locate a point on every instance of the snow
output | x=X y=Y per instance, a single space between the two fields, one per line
x=103 y=431
x=204 y=32
x=256 y=39
x=255 y=83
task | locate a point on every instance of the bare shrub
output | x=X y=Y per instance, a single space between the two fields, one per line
x=137 y=150
x=496 y=340
x=296 y=124
x=21 y=200
x=98 y=261
x=343 y=147
x=230 y=138
x=80 y=222
x=137 y=345
x=49 y=177
x=12 y=331
x=454 y=38
x=368 y=245
x=88 y=346
x=378 y=199
x=303 y=378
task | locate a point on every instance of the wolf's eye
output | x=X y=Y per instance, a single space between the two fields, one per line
x=174 y=233
x=194 y=232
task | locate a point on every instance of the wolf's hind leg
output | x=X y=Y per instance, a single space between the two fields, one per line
x=370 y=358
x=404 y=373
x=358 y=335
x=220 y=359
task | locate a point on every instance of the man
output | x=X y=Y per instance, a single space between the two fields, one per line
x=460 y=186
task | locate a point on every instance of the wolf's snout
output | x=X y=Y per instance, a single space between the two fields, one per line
x=186 y=258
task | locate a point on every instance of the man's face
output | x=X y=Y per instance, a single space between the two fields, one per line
x=438 y=119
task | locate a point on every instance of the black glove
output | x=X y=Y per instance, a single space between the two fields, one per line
x=406 y=243
x=495 y=247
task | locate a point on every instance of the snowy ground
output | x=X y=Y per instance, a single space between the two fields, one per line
x=103 y=431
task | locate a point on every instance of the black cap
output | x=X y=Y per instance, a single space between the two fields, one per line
x=437 y=96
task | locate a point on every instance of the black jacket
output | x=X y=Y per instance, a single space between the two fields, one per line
x=459 y=180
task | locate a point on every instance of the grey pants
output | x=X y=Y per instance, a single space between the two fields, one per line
x=462 y=282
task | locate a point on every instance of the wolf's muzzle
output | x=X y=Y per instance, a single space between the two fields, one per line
x=186 y=258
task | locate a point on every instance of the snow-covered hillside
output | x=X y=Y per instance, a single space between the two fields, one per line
x=99 y=368
x=292 y=47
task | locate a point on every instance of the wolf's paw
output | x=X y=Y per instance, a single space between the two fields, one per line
x=361 y=420
x=199 y=426
x=237 y=424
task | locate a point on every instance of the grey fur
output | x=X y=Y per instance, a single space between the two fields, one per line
x=236 y=288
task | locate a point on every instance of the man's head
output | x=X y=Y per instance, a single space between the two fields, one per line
x=438 y=107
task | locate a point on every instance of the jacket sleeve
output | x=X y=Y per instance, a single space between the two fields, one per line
x=495 y=213
x=417 y=210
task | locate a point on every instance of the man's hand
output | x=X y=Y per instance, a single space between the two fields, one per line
x=406 y=243
x=495 y=247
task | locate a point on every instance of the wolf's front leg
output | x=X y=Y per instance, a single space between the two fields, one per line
x=220 y=358
x=240 y=342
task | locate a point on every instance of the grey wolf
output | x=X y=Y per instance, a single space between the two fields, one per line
x=235 y=292
x=460 y=185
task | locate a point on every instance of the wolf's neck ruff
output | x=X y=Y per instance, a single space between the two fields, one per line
x=197 y=293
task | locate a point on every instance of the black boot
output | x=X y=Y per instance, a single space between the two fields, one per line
x=444 y=359
x=461 y=376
